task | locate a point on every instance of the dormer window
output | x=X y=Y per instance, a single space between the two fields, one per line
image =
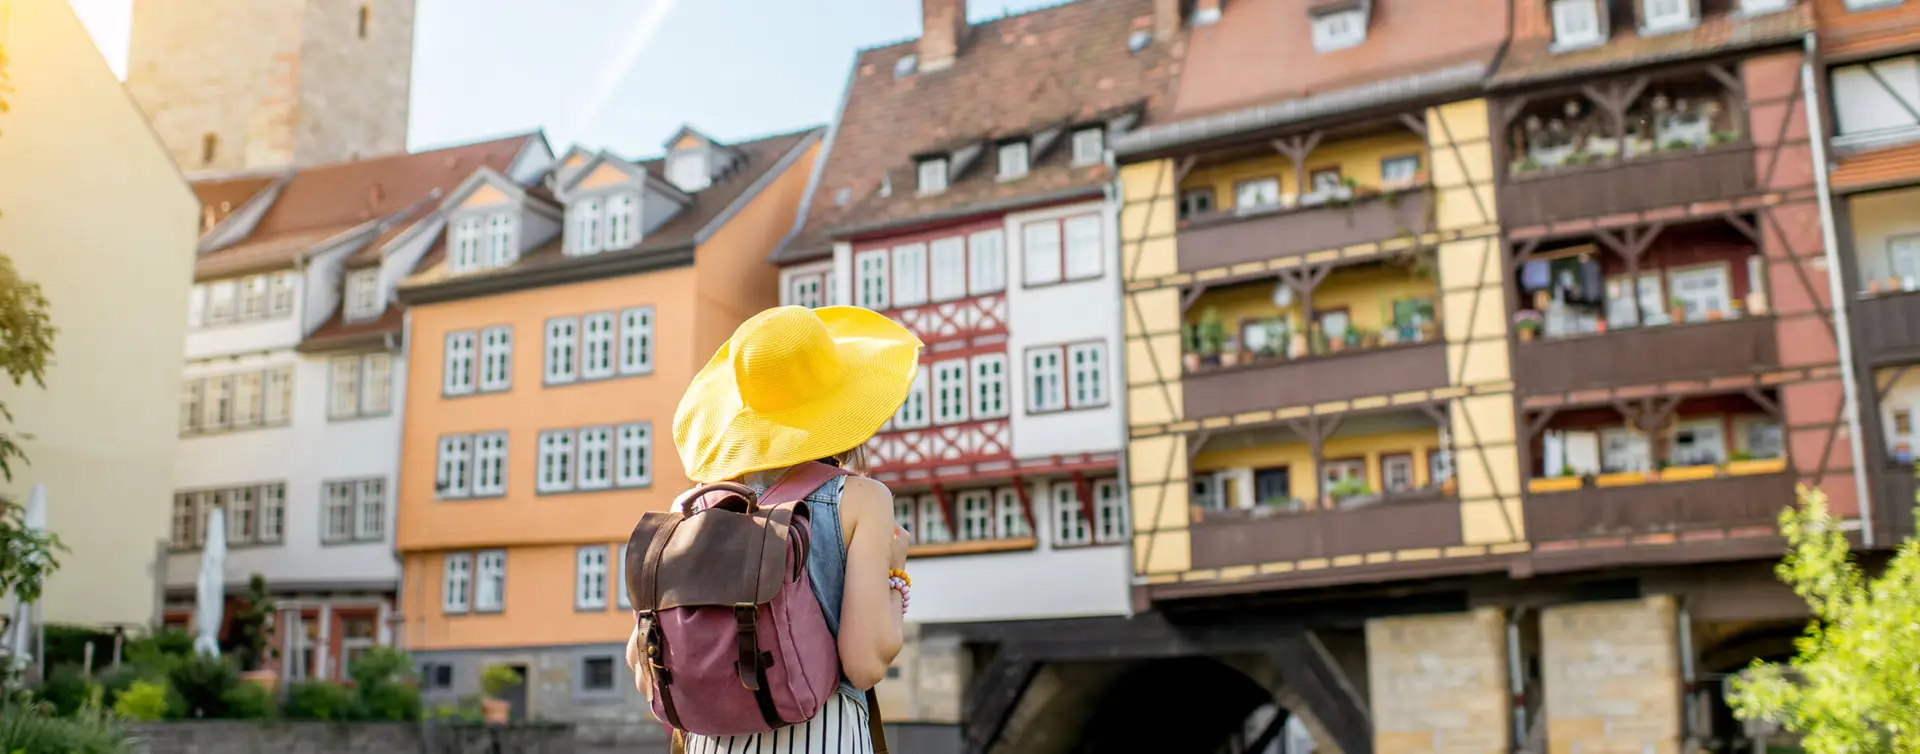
x=933 y=175
x=586 y=226
x=1576 y=23
x=1013 y=160
x=1339 y=29
x=689 y=171
x=364 y=299
x=623 y=221
x=484 y=242
x=1666 y=15
x=1089 y=144
x=1757 y=7
x=603 y=223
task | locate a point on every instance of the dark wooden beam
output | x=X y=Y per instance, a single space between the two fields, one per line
x=1881 y=389
x=1181 y=170
x=1324 y=689
x=1268 y=733
x=996 y=693
x=1539 y=422
x=1740 y=224
x=946 y=509
x=1026 y=503
x=1414 y=124
x=1192 y=296
x=1728 y=80
x=1083 y=489
x=1766 y=404
x=1197 y=443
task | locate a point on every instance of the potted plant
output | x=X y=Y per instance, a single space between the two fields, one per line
x=1212 y=337
x=1321 y=343
x=254 y=625
x=1190 y=346
x=1349 y=490
x=1527 y=323
x=495 y=682
x=1677 y=309
x=1230 y=352
x=1429 y=330
x=1276 y=336
x=1336 y=345
x=1299 y=345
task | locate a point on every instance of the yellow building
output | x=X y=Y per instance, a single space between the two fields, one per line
x=93 y=211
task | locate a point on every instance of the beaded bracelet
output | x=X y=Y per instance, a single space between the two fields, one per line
x=899 y=584
x=895 y=573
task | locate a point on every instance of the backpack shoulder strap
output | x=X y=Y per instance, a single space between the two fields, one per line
x=799 y=482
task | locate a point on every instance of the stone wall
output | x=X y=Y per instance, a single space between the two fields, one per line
x=1439 y=683
x=1611 y=673
x=618 y=716
x=243 y=737
x=929 y=680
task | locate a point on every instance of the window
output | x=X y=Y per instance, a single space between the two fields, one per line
x=596 y=346
x=590 y=578
x=1334 y=472
x=1623 y=449
x=586 y=227
x=453 y=469
x=359 y=635
x=950 y=391
x=220 y=303
x=596 y=458
x=1339 y=30
x=185 y=508
x=219 y=413
x=1701 y=290
x=1400 y=171
x=1576 y=23
x=976 y=515
x=490 y=594
x=1396 y=472
x=870 y=285
x=1044 y=389
x=623 y=221
x=910 y=275
x=1010 y=516
x=1699 y=442
x=933 y=522
x=345 y=395
x=1040 y=252
x=556 y=461
x=1070 y=520
x=949 y=268
x=246 y=399
x=987 y=265
x=636 y=456
x=1761 y=437
x=1194 y=202
x=273 y=513
x=191 y=405
x=253 y=298
x=689 y=171
x=903 y=510
x=364 y=296
x=337 y=524
x=1903 y=261
x=1087 y=373
x=503 y=237
x=466 y=256
x=496 y=359
x=1089 y=146
x=1273 y=486
x=596 y=674
x=1257 y=194
x=989 y=386
x=1325 y=182
x=436 y=676
x=913 y=410
x=1084 y=249
x=490 y=465
x=933 y=175
x=456 y=583
x=1109 y=512
x=280 y=295
x=457 y=373
x=1662 y=15
x=208 y=502
x=361 y=386
x=562 y=344
x=1870 y=4
x=1013 y=160
x=370 y=514
x=636 y=341
x=806 y=290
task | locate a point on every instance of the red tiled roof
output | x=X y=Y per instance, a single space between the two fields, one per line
x=226 y=195
x=1529 y=58
x=1058 y=66
x=336 y=332
x=370 y=254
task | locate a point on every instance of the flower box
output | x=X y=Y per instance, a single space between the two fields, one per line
x=1554 y=484
x=1622 y=479
x=1689 y=473
x=1757 y=466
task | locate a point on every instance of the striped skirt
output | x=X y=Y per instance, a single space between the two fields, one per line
x=840 y=728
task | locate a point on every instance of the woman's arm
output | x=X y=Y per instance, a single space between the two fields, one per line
x=870 y=615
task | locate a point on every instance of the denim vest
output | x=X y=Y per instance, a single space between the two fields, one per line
x=827 y=558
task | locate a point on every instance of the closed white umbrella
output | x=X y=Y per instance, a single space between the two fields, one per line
x=22 y=637
x=211 y=596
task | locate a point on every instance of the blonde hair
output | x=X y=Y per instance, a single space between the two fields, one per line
x=854 y=460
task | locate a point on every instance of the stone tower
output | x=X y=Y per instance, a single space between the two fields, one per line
x=242 y=84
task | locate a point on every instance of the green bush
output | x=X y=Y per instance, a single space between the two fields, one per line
x=67 y=645
x=116 y=681
x=321 y=700
x=496 y=680
x=142 y=700
x=201 y=686
x=26 y=729
x=387 y=684
x=65 y=688
x=390 y=701
x=249 y=701
x=160 y=652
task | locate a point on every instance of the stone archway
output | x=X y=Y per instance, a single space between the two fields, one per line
x=1178 y=706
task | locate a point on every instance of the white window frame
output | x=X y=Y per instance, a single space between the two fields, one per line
x=633 y=446
x=1713 y=427
x=456 y=583
x=909 y=275
x=343 y=387
x=1042 y=252
x=241 y=515
x=376 y=384
x=1111 y=524
x=598 y=343
x=590 y=571
x=636 y=340
x=496 y=359
x=365 y=297
x=1761 y=7
x=336 y=511
x=467 y=244
x=281 y=294
x=620 y=567
x=458 y=369
x=1565 y=13
x=989 y=392
x=1087 y=368
x=1070 y=525
x=1009 y=516
x=453 y=467
x=951 y=397
x=489 y=455
x=556 y=458
x=872 y=283
x=247 y=394
x=947 y=265
x=276 y=397
x=370 y=510
x=1860 y=5
x=933 y=522
x=1046 y=379
x=1013 y=160
x=273 y=513
x=1698 y=307
x=186 y=509
x=503 y=239
x=489 y=566
x=585 y=230
x=916 y=411
x=1624 y=440
x=1089 y=146
x=1339 y=30
x=562 y=350
x=1678 y=15
x=1257 y=194
x=808 y=289
x=973 y=512
x=1082 y=247
x=932 y=174
x=987 y=262
x=1389 y=165
x=689 y=171
x=623 y=221
x=594 y=459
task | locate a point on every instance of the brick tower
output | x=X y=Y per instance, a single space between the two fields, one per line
x=242 y=84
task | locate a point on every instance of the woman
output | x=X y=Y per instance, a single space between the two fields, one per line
x=795 y=385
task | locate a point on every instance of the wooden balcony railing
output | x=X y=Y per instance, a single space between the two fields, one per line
x=1610 y=508
x=1348 y=374
x=1265 y=534
x=1889 y=325
x=1229 y=238
x=1645 y=355
x=1661 y=180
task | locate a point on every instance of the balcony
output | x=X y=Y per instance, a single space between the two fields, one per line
x=1646 y=355
x=1889 y=325
x=1661 y=180
x=1223 y=239
x=1741 y=494
x=1274 y=383
x=1265 y=534
x=1894 y=490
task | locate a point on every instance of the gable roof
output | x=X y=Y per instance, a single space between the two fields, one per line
x=226 y=195
x=676 y=238
x=1060 y=66
x=1530 y=59
x=320 y=202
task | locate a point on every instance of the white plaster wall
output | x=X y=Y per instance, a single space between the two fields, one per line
x=305 y=454
x=1041 y=583
x=1064 y=313
x=1877 y=218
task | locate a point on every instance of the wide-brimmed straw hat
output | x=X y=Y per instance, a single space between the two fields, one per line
x=793 y=384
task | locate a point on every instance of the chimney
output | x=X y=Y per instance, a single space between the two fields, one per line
x=943 y=31
x=1166 y=19
x=1207 y=11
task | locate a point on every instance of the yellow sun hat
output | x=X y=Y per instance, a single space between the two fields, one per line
x=793 y=384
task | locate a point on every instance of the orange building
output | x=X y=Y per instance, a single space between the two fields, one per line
x=555 y=324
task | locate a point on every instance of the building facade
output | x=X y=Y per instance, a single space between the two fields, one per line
x=965 y=195
x=97 y=435
x=553 y=326
x=291 y=399
x=244 y=84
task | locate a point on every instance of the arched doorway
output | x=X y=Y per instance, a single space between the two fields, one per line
x=1188 y=705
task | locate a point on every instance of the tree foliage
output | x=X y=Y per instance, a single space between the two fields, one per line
x=1854 y=686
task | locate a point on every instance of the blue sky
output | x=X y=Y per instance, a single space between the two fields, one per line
x=623 y=74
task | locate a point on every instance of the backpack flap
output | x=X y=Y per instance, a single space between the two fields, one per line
x=708 y=558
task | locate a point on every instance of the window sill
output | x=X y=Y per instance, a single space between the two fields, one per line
x=591 y=490
x=234 y=430
x=474 y=393
x=206 y=326
x=438 y=497
x=352 y=541
x=1086 y=545
x=173 y=550
x=1101 y=275
x=358 y=417
x=973 y=547
x=548 y=384
x=1068 y=409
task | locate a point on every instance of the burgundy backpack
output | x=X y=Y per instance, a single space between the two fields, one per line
x=733 y=636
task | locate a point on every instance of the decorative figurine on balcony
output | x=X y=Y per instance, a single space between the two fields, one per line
x=1526 y=323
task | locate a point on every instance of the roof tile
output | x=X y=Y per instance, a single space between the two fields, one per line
x=1530 y=59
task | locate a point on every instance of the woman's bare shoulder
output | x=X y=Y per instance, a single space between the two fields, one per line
x=864 y=497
